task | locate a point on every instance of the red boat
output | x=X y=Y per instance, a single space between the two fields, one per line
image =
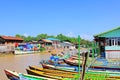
x=72 y=61
x=12 y=75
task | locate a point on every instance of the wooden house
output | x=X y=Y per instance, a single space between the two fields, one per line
x=67 y=45
x=109 y=43
x=55 y=42
x=8 y=43
x=45 y=42
x=10 y=40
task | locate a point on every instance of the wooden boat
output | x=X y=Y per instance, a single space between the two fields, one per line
x=88 y=76
x=19 y=52
x=76 y=57
x=112 y=74
x=105 y=67
x=74 y=62
x=12 y=75
x=64 y=72
x=51 y=70
x=49 y=75
x=32 y=77
x=59 y=67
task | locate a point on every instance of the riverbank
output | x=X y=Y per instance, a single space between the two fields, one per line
x=5 y=54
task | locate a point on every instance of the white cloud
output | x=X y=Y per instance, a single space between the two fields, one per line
x=83 y=36
x=87 y=36
x=26 y=35
x=70 y=34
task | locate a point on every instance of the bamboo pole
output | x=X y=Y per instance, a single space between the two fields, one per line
x=79 y=56
x=93 y=52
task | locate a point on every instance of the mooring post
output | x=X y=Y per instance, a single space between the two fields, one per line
x=84 y=65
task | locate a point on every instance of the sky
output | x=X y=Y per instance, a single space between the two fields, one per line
x=69 y=17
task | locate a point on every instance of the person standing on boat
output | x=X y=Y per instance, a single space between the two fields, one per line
x=54 y=59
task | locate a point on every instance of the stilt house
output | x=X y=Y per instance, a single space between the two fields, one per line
x=109 y=43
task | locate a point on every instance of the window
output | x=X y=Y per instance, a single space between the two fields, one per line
x=113 y=41
x=109 y=42
x=119 y=42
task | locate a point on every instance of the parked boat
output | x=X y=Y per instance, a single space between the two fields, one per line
x=32 y=77
x=105 y=68
x=19 y=52
x=66 y=72
x=74 y=62
x=89 y=75
x=12 y=75
x=59 y=67
x=48 y=74
x=51 y=70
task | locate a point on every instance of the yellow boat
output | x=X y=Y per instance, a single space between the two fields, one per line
x=49 y=75
x=51 y=70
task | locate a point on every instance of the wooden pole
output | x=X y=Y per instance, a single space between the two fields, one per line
x=93 y=53
x=84 y=65
x=79 y=56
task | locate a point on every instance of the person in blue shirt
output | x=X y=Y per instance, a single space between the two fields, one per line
x=54 y=58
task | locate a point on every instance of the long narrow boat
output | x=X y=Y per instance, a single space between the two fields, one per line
x=75 y=68
x=59 y=67
x=74 y=62
x=49 y=75
x=65 y=72
x=32 y=77
x=88 y=76
x=112 y=74
x=105 y=68
x=12 y=75
x=51 y=70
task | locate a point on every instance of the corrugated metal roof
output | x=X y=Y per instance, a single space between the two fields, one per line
x=66 y=44
x=110 y=33
x=53 y=39
x=11 y=38
x=45 y=40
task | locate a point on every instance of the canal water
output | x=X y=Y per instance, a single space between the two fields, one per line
x=19 y=62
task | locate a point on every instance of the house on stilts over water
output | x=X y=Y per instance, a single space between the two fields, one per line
x=109 y=43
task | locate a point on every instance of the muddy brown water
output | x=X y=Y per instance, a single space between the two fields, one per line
x=19 y=63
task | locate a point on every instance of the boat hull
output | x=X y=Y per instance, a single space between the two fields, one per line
x=72 y=62
x=11 y=75
x=59 y=67
x=51 y=70
x=49 y=74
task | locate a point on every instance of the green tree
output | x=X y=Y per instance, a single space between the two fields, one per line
x=17 y=35
x=41 y=36
x=62 y=37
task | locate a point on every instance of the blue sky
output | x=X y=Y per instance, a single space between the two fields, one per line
x=69 y=17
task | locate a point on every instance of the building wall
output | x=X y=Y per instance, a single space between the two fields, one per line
x=112 y=52
x=109 y=42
